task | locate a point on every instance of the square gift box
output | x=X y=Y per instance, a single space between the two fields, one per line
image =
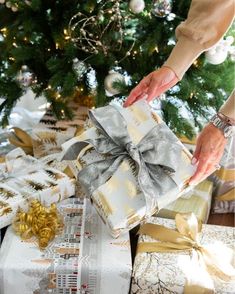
x=130 y=163
x=23 y=177
x=83 y=259
x=156 y=270
x=198 y=201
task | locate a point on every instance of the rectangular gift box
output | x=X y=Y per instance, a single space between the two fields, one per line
x=130 y=163
x=224 y=179
x=83 y=259
x=167 y=272
x=23 y=177
x=198 y=201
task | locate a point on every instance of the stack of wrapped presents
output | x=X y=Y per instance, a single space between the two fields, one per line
x=113 y=199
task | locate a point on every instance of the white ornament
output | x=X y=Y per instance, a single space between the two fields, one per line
x=110 y=79
x=2 y=1
x=218 y=53
x=14 y=8
x=137 y=6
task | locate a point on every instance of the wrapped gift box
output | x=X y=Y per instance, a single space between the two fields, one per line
x=83 y=259
x=24 y=177
x=50 y=133
x=198 y=201
x=166 y=272
x=224 y=181
x=130 y=163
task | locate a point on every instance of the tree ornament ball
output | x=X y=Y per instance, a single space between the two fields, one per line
x=25 y=77
x=137 y=6
x=2 y=1
x=216 y=55
x=161 y=8
x=110 y=79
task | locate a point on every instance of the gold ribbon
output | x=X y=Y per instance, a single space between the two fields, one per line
x=185 y=140
x=41 y=222
x=21 y=139
x=186 y=238
x=226 y=174
x=228 y=196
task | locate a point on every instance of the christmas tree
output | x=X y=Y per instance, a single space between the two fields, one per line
x=95 y=50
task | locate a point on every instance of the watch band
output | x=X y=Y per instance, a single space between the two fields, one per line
x=222 y=123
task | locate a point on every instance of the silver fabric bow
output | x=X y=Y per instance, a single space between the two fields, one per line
x=155 y=156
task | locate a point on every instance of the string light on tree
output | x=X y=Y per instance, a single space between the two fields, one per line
x=161 y=8
x=136 y=6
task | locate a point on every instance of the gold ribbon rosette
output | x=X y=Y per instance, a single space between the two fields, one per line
x=185 y=238
x=41 y=222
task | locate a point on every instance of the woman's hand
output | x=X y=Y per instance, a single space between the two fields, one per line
x=154 y=84
x=209 y=150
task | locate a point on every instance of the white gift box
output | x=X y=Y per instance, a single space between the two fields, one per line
x=83 y=259
x=164 y=272
x=23 y=177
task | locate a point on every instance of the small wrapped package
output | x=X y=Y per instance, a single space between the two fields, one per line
x=23 y=177
x=130 y=163
x=198 y=201
x=224 y=179
x=83 y=259
x=183 y=256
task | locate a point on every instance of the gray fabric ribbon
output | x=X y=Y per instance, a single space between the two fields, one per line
x=155 y=156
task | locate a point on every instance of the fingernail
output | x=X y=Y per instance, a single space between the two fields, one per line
x=194 y=161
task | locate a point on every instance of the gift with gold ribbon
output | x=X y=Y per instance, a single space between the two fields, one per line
x=224 y=179
x=130 y=163
x=184 y=257
x=81 y=259
x=23 y=177
x=198 y=201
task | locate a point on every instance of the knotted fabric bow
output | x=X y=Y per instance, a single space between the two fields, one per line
x=155 y=155
x=17 y=163
x=186 y=238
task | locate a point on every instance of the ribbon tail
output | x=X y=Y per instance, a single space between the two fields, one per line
x=228 y=196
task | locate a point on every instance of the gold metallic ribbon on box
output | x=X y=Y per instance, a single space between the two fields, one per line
x=228 y=196
x=226 y=174
x=41 y=222
x=21 y=139
x=186 y=238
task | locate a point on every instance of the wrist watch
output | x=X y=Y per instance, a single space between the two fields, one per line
x=225 y=124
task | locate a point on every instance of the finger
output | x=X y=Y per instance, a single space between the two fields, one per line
x=196 y=153
x=200 y=172
x=136 y=93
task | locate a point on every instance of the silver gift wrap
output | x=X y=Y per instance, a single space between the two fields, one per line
x=84 y=259
x=130 y=163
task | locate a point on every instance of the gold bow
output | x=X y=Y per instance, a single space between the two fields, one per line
x=186 y=238
x=21 y=139
x=41 y=222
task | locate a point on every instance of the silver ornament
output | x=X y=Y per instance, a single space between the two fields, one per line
x=79 y=68
x=161 y=8
x=137 y=6
x=110 y=79
x=25 y=77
